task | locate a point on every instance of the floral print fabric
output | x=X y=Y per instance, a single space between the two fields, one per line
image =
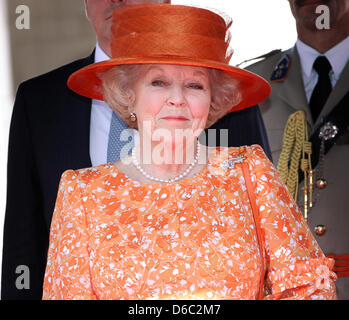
x=115 y=238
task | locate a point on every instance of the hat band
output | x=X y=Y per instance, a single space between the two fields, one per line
x=153 y=44
x=173 y=24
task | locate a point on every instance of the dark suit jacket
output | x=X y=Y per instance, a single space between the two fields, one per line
x=49 y=134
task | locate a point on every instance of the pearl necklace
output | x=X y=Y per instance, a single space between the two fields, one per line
x=182 y=175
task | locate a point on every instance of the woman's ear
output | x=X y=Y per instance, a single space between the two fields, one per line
x=131 y=109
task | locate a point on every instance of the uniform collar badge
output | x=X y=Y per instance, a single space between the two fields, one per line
x=281 y=70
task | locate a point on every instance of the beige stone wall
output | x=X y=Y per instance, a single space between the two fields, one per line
x=59 y=33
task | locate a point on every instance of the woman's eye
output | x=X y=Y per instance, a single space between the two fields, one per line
x=158 y=83
x=196 y=86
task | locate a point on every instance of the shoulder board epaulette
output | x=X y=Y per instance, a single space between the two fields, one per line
x=264 y=56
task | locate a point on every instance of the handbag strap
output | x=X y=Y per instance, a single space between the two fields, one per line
x=256 y=218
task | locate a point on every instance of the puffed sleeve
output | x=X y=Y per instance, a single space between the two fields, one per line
x=296 y=268
x=67 y=275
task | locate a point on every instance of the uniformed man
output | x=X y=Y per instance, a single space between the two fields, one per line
x=312 y=79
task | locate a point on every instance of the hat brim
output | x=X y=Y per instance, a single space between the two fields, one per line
x=253 y=88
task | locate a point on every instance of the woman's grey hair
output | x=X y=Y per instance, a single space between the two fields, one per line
x=118 y=93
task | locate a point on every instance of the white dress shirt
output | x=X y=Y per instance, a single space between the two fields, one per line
x=337 y=56
x=101 y=115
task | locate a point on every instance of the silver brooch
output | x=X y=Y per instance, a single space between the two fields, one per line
x=229 y=164
x=328 y=131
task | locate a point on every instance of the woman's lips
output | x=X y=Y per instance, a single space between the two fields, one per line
x=179 y=118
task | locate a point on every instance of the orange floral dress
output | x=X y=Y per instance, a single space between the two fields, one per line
x=115 y=238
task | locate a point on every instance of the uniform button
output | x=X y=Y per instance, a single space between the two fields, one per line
x=320 y=230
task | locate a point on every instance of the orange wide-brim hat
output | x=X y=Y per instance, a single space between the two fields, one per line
x=170 y=34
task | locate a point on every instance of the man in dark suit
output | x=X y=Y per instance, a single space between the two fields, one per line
x=52 y=130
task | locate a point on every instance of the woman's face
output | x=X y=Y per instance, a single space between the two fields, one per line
x=171 y=97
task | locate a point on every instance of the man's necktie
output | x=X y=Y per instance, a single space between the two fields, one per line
x=115 y=144
x=323 y=87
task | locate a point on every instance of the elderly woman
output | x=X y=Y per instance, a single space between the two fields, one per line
x=175 y=219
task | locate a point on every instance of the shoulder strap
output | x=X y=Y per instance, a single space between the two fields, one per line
x=256 y=218
x=264 y=56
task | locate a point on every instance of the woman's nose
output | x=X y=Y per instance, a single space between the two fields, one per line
x=176 y=97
